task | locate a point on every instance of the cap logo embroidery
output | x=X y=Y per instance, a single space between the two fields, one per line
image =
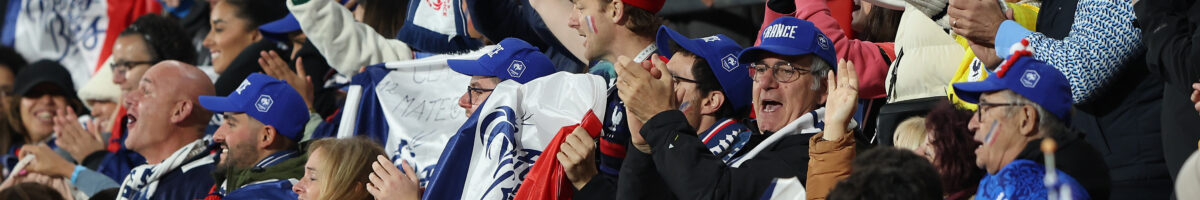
x=823 y=42
x=779 y=30
x=1030 y=78
x=711 y=38
x=516 y=68
x=729 y=62
x=264 y=102
x=495 y=51
x=243 y=86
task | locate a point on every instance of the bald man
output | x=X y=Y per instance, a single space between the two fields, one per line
x=167 y=127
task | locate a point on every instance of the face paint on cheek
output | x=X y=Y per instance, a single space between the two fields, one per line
x=989 y=140
x=685 y=106
x=591 y=24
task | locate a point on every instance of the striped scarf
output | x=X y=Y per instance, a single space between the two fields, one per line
x=143 y=180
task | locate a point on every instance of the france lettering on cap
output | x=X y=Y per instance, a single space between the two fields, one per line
x=495 y=51
x=243 y=86
x=779 y=30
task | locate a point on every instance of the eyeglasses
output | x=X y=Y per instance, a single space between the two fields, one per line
x=120 y=67
x=784 y=72
x=983 y=106
x=675 y=79
x=474 y=91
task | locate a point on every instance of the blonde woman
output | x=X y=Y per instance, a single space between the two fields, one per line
x=338 y=169
x=910 y=134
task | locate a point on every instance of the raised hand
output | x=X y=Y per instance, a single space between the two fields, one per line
x=387 y=182
x=73 y=138
x=976 y=20
x=841 y=100
x=650 y=93
x=1196 y=95
x=274 y=66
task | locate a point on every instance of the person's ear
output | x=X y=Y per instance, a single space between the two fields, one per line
x=616 y=11
x=1030 y=122
x=181 y=112
x=824 y=89
x=266 y=136
x=710 y=104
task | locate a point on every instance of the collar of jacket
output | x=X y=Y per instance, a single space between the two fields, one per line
x=284 y=167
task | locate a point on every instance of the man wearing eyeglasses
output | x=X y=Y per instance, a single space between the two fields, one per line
x=513 y=59
x=1026 y=101
x=787 y=70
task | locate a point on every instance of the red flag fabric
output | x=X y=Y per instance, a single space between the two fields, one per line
x=547 y=180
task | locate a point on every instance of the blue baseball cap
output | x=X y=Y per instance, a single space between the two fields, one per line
x=721 y=54
x=278 y=30
x=512 y=59
x=1032 y=79
x=789 y=36
x=268 y=100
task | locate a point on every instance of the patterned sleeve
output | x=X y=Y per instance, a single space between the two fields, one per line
x=1101 y=40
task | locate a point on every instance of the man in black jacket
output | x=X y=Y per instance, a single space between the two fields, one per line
x=788 y=97
x=711 y=89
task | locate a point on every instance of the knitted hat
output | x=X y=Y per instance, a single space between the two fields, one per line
x=101 y=87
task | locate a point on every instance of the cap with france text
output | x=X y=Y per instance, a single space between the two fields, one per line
x=789 y=36
x=268 y=100
x=512 y=59
x=721 y=54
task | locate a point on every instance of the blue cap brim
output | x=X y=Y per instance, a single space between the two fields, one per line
x=219 y=104
x=284 y=25
x=754 y=54
x=664 y=38
x=970 y=91
x=469 y=67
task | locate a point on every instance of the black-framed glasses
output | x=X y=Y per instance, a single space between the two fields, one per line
x=984 y=106
x=120 y=67
x=783 y=71
x=474 y=91
x=677 y=79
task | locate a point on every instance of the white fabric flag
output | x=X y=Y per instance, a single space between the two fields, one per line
x=71 y=32
x=498 y=145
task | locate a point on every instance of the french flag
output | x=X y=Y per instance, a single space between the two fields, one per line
x=493 y=152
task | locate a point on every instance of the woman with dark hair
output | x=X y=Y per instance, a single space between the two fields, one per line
x=952 y=150
x=149 y=40
x=11 y=63
x=235 y=26
x=43 y=90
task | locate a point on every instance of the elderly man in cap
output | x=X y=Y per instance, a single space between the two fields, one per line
x=513 y=59
x=788 y=97
x=264 y=120
x=1024 y=103
x=711 y=91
